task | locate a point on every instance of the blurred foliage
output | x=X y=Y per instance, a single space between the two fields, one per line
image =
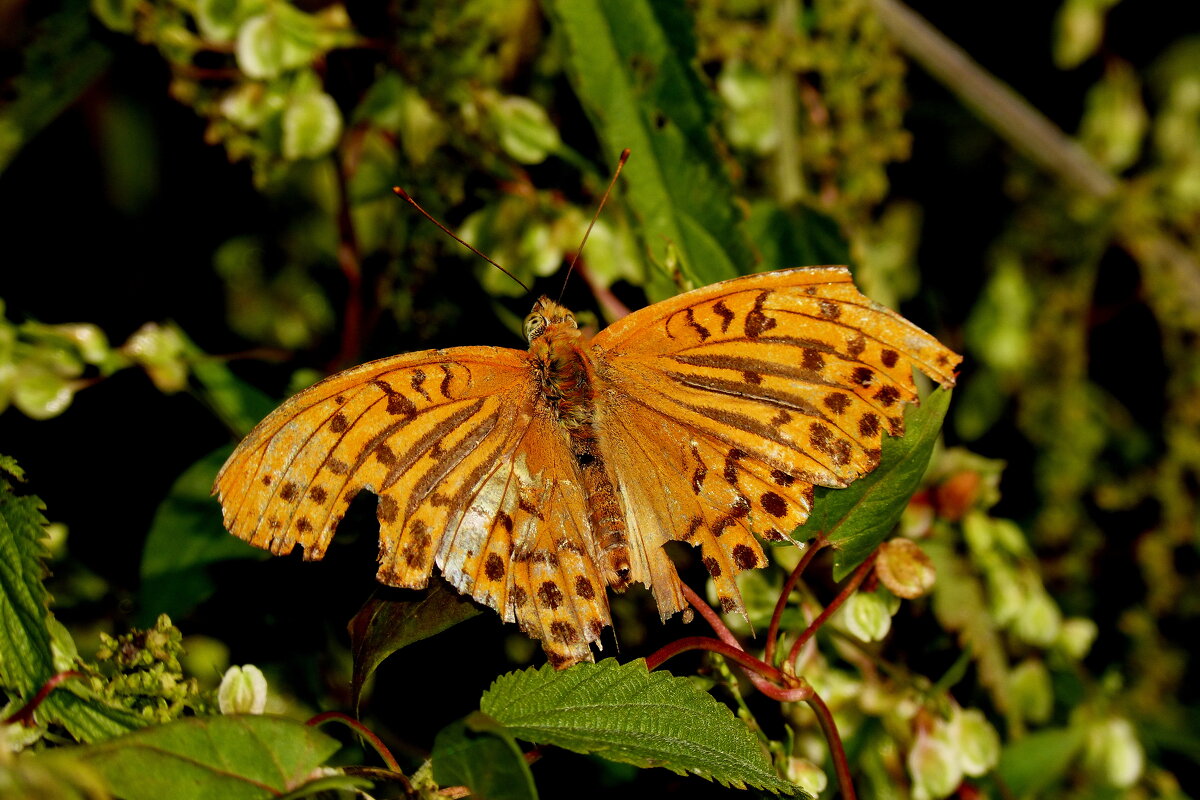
x=1038 y=648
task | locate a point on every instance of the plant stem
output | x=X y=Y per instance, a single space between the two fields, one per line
x=785 y=593
x=1158 y=251
x=24 y=714
x=829 y=728
x=711 y=617
x=1009 y=114
x=361 y=730
x=851 y=585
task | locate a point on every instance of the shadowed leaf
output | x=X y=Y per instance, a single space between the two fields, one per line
x=384 y=625
x=479 y=753
x=185 y=537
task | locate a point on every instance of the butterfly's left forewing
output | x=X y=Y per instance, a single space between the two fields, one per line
x=469 y=475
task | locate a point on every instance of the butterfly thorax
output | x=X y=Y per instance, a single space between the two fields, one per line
x=565 y=378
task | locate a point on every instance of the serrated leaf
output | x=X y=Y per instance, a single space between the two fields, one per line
x=481 y=754
x=384 y=625
x=633 y=66
x=856 y=519
x=624 y=713
x=231 y=757
x=26 y=655
x=186 y=536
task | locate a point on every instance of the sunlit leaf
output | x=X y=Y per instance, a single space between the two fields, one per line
x=632 y=64
x=856 y=519
x=231 y=757
x=624 y=713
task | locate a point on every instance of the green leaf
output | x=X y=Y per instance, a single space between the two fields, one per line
x=238 y=404
x=481 y=754
x=795 y=237
x=26 y=655
x=25 y=658
x=186 y=536
x=384 y=625
x=283 y=38
x=526 y=132
x=624 y=713
x=633 y=66
x=1034 y=763
x=312 y=124
x=856 y=519
x=230 y=757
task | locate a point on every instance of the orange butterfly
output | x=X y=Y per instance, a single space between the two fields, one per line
x=536 y=480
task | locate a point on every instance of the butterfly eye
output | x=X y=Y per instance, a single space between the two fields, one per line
x=535 y=326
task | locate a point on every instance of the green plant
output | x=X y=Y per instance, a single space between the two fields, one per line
x=1036 y=654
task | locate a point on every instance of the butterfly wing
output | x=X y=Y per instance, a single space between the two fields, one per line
x=469 y=475
x=727 y=404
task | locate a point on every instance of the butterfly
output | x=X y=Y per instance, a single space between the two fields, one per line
x=537 y=480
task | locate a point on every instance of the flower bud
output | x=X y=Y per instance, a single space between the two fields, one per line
x=243 y=690
x=807 y=775
x=904 y=568
x=1030 y=690
x=866 y=616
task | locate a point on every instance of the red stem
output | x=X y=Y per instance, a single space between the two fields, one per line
x=859 y=574
x=840 y=765
x=24 y=714
x=361 y=730
x=785 y=593
x=711 y=617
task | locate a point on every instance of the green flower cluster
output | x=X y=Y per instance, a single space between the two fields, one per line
x=140 y=671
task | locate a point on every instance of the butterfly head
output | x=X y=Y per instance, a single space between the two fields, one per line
x=547 y=314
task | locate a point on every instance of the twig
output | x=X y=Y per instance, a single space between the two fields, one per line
x=613 y=308
x=1018 y=122
x=785 y=593
x=859 y=574
x=361 y=730
x=24 y=714
x=829 y=728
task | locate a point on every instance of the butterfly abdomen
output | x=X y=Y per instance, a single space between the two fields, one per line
x=567 y=381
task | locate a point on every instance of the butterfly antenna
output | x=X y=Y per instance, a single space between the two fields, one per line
x=403 y=195
x=600 y=207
